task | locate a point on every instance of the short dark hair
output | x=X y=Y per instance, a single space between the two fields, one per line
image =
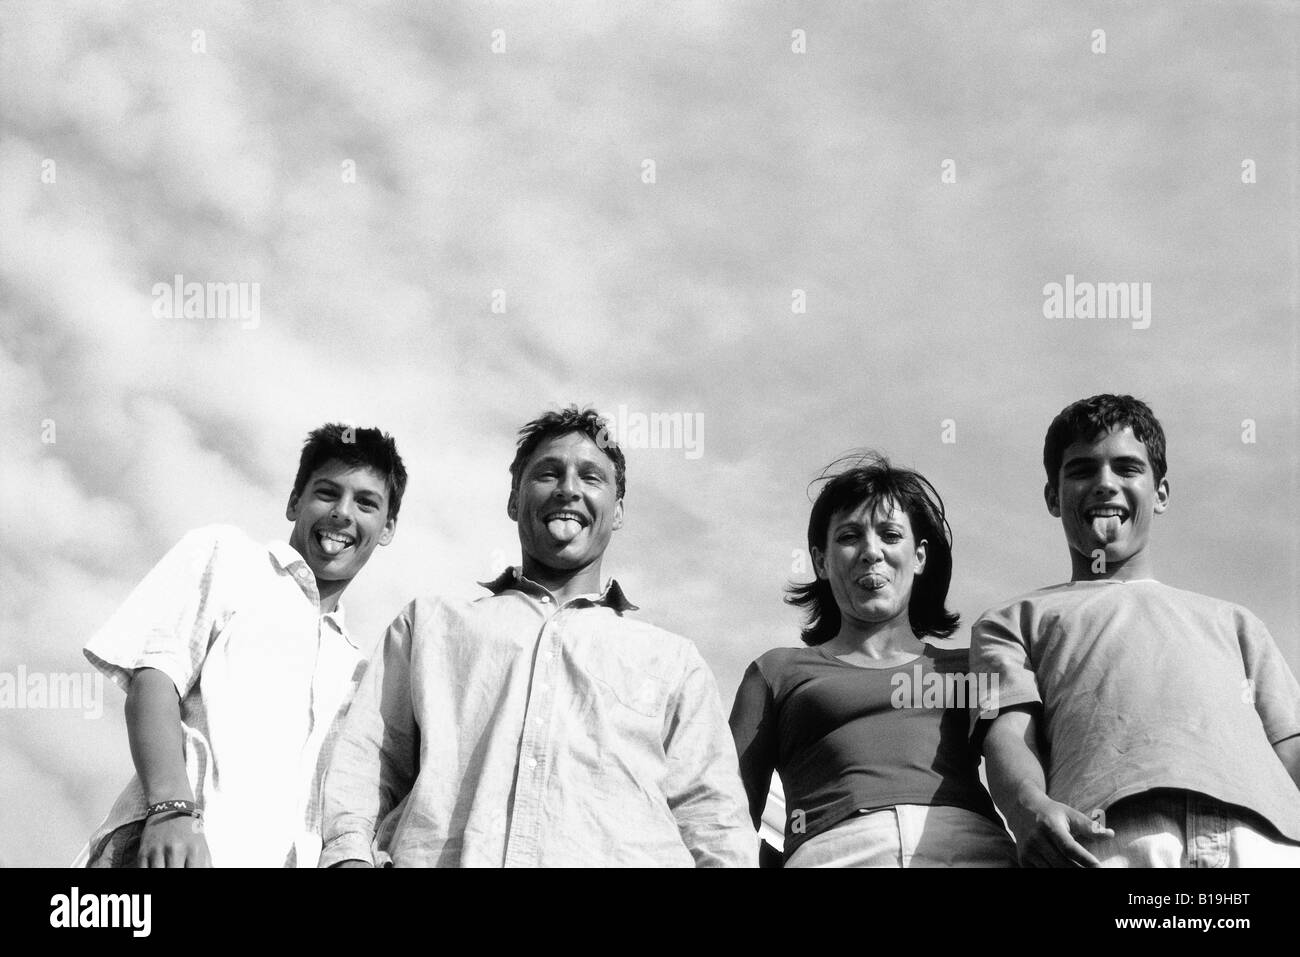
x=353 y=447
x=1088 y=418
x=571 y=419
x=868 y=477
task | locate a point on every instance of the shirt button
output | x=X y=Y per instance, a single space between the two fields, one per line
x=532 y=763
x=544 y=599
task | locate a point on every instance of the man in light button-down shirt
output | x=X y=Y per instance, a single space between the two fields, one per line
x=237 y=666
x=540 y=725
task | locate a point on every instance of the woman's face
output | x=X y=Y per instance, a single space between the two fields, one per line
x=870 y=560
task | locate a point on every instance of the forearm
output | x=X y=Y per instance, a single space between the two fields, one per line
x=1288 y=752
x=153 y=724
x=1015 y=772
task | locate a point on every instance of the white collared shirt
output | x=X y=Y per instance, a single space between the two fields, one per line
x=511 y=732
x=263 y=679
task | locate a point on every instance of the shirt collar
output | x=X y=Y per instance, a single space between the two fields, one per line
x=612 y=597
x=288 y=560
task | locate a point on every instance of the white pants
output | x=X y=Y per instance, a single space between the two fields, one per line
x=909 y=835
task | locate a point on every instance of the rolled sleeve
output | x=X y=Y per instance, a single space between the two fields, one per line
x=703 y=784
x=375 y=758
x=168 y=621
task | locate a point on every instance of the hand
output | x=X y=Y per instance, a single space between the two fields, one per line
x=1051 y=840
x=172 y=839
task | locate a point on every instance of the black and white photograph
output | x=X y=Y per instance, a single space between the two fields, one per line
x=719 y=434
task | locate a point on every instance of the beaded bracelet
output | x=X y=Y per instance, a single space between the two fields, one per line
x=185 y=807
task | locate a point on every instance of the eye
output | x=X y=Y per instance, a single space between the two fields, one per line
x=893 y=538
x=368 y=505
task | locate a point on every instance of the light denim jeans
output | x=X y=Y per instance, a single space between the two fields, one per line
x=1174 y=828
x=909 y=835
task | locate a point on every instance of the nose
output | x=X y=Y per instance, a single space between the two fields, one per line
x=568 y=486
x=1106 y=482
x=341 y=509
x=872 y=551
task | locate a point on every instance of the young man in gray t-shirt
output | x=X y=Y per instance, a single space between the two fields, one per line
x=1135 y=724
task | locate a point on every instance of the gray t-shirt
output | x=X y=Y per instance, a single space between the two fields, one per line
x=1145 y=686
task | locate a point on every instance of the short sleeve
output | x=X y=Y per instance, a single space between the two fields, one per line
x=168 y=621
x=1000 y=649
x=1272 y=686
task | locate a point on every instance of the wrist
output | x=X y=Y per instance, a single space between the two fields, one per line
x=1031 y=796
x=173 y=807
x=171 y=790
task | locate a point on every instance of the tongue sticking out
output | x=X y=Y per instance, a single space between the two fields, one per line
x=564 y=529
x=331 y=546
x=1106 y=527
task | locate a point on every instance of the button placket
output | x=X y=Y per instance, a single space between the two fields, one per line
x=522 y=843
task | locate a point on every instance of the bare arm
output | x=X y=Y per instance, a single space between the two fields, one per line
x=1045 y=830
x=1288 y=752
x=153 y=724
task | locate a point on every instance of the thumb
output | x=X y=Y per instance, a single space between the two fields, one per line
x=1088 y=825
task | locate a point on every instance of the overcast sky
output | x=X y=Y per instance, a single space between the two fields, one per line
x=227 y=156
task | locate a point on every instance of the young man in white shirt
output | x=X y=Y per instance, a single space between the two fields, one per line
x=237 y=667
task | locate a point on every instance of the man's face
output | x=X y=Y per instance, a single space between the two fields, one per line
x=1107 y=496
x=567 y=503
x=340 y=517
x=871 y=561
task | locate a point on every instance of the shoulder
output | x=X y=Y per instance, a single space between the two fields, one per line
x=773 y=665
x=1013 y=608
x=780 y=658
x=433 y=610
x=216 y=550
x=212 y=537
x=1207 y=607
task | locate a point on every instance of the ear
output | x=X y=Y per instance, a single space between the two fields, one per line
x=920 y=556
x=291 y=510
x=618 y=515
x=390 y=528
x=1053 y=498
x=512 y=505
x=1162 y=496
x=819 y=563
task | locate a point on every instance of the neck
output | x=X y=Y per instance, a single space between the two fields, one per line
x=880 y=640
x=330 y=592
x=1137 y=565
x=563 y=583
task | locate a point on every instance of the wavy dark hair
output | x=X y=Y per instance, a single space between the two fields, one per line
x=353 y=447
x=1086 y=419
x=868 y=477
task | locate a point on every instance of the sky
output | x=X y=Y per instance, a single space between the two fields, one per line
x=812 y=230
